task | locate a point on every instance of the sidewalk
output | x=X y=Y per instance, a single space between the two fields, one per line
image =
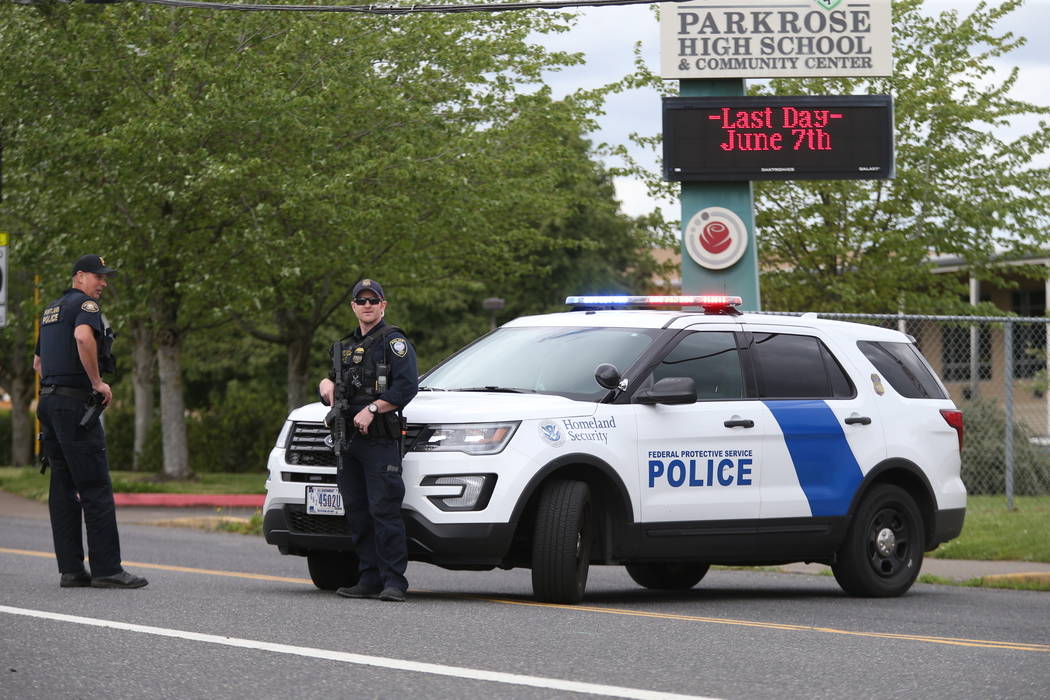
x=184 y=509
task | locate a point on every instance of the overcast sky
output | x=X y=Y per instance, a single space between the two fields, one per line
x=607 y=36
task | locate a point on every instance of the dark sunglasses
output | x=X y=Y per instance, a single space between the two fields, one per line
x=361 y=301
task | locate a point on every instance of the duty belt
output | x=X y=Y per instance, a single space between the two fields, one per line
x=73 y=392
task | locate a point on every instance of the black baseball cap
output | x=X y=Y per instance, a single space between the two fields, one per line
x=367 y=284
x=94 y=264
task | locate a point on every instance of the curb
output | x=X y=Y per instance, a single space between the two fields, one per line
x=190 y=500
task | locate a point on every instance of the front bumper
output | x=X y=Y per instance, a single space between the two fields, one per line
x=453 y=546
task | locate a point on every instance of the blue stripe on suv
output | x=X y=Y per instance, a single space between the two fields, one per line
x=827 y=470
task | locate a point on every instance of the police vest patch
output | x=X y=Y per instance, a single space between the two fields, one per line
x=89 y=306
x=50 y=315
x=399 y=346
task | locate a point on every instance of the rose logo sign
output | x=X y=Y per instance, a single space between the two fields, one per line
x=715 y=238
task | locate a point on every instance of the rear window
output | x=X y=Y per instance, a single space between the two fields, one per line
x=796 y=367
x=904 y=368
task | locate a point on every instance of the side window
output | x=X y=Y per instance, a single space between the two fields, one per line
x=903 y=367
x=796 y=367
x=711 y=359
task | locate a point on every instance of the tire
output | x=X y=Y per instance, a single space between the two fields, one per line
x=332 y=570
x=884 y=546
x=668 y=577
x=561 y=543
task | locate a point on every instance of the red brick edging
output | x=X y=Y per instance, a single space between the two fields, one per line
x=187 y=500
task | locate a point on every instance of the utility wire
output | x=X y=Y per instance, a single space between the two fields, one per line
x=400 y=9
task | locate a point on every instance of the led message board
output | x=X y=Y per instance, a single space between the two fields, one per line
x=778 y=138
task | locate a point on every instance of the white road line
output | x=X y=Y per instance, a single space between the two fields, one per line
x=379 y=661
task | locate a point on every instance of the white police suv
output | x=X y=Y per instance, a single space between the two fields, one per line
x=659 y=439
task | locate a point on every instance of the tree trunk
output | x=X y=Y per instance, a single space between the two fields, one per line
x=172 y=407
x=23 y=424
x=142 y=377
x=298 y=364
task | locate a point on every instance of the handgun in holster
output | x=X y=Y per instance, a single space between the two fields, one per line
x=93 y=409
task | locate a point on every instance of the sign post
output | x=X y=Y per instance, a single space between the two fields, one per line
x=718 y=217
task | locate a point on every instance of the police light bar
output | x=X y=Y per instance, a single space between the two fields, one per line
x=709 y=303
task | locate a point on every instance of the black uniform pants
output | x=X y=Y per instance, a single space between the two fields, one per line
x=371 y=485
x=80 y=487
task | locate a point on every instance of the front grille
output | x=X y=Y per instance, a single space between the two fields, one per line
x=307 y=446
x=301 y=521
x=412 y=431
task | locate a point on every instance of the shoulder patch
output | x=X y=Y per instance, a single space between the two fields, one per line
x=89 y=306
x=399 y=346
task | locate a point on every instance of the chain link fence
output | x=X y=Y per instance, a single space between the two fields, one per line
x=996 y=370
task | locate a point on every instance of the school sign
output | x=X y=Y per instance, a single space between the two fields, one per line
x=775 y=39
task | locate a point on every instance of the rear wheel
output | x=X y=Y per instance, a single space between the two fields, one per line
x=671 y=577
x=561 y=544
x=883 y=550
x=332 y=570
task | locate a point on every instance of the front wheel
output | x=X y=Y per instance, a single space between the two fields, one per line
x=669 y=577
x=561 y=543
x=332 y=570
x=883 y=550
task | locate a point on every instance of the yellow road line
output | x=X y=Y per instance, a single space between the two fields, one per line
x=182 y=569
x=953 y=641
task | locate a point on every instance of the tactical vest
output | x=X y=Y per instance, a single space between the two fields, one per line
x=365 y=374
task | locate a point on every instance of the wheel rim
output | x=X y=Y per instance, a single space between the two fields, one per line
x=889 y=542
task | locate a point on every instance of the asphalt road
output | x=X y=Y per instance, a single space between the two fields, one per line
x=226 y=616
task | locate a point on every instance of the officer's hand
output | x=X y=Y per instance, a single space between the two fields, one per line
x=327 y=391
x=362 y=420
x=107 y=393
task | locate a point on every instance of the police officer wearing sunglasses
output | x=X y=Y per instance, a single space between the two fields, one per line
x=378 y=377
x=73 y=351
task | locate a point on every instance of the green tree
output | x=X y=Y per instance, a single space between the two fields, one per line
x=253 y=166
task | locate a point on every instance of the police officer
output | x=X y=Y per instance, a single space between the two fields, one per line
x=73 y=350
x=378 y=378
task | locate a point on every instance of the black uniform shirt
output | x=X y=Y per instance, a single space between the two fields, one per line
x=57 y=347
x=393 y=349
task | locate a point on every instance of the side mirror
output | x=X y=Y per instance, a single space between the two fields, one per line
x=669 y=390
x=607 y=376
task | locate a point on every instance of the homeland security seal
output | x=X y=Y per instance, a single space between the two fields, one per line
x=551 y=433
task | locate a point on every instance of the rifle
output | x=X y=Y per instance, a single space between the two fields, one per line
x=336 y=418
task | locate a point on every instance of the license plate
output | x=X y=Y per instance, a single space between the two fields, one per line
x=324 y=500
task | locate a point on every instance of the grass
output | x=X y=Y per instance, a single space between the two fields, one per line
x=30 y=483
x=1013 y=583
x=991 y=532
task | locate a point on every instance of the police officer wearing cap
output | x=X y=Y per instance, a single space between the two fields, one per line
x=378 y=372
x=73 y=350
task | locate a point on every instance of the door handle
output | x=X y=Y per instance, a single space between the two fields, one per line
x=854 y=420
x=741 y=423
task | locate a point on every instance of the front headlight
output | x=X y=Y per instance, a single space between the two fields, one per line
x=471 y=438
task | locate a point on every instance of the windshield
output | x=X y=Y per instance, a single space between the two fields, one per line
x=543 y=360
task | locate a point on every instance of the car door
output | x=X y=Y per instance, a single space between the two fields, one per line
x=827 y=430
x=700 y=461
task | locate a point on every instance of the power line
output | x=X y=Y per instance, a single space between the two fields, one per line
x=400 y=9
